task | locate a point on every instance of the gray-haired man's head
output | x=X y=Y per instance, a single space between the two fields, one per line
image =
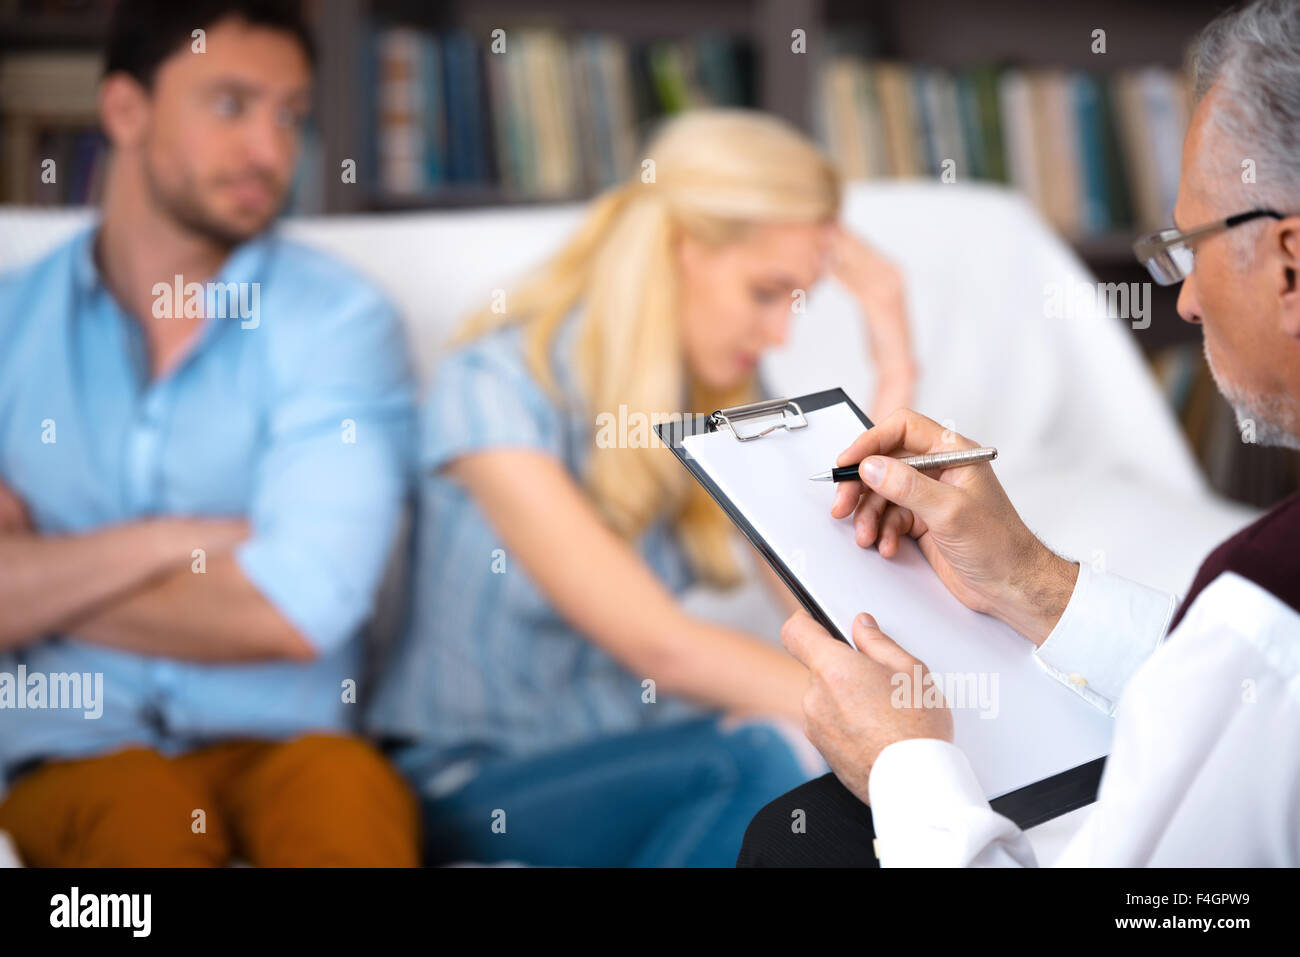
x=1243 y=152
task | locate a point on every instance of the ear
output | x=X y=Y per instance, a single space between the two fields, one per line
x=123 y=109
x=1287 y=249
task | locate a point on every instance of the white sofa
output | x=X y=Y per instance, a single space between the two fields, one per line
x=1089 y=451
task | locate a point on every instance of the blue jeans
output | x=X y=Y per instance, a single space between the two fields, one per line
x=675 y=796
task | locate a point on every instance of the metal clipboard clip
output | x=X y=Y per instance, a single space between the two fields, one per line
x=792 y=417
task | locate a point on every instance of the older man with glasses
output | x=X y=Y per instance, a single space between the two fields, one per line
x=1205 y=763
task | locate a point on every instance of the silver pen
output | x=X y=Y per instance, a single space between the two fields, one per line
x=929 y=461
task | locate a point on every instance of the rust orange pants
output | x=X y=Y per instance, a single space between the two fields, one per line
x=316 y=801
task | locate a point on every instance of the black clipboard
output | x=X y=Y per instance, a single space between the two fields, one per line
x=1027 y=806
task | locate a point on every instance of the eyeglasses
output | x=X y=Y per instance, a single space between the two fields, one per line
x=1168 y=254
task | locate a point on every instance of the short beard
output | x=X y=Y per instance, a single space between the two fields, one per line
x=1271 y=417
x=192 y=217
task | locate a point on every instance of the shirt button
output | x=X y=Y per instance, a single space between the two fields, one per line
x=1078 y=680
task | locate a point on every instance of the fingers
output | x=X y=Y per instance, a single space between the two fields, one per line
x=846 y=244
x=222 y=534
x=932 y=501
x=866 y=518
x=903 y=431
x=878 y=646
x=841 y=243
x=804 y=638
x=897 y=522
x=876 y=520
x=847 y=495
x=837 y=253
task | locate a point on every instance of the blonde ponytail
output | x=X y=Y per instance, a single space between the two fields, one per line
x=717 y=173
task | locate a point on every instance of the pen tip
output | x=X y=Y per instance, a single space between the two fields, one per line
x=819 y=477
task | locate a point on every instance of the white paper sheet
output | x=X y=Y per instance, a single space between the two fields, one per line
x=1015 y=722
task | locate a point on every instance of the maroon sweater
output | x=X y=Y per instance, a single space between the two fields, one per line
x=1266 y=552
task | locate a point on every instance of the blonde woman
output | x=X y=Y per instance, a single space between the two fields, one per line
x=551 y=700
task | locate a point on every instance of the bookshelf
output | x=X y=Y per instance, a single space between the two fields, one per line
x=946 y=36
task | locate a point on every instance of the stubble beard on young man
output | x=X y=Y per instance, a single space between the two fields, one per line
x=183 y=208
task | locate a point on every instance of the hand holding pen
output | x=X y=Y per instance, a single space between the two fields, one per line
x=961 y=518
x=931 y=461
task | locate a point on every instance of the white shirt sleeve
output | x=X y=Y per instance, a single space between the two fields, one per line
x=928 y=807
x=928 y=810
x=1205 y=765
x=1109 y=628
x=1203 y=770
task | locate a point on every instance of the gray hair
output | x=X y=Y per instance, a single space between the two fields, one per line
x=1252 y=56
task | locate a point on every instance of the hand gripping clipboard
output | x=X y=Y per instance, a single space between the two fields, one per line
x=1036 y=746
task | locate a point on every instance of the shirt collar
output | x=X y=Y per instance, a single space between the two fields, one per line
x=86 y=273
x=246 y=263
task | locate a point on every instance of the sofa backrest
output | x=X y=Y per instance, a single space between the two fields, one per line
x=982 y=271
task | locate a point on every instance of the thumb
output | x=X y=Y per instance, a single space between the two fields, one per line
x=906 y=486
x=878 y=646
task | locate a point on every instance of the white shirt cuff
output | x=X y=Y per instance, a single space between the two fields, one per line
x=1110 y=627
x=929 y=810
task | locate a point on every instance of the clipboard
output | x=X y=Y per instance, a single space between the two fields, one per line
x=1038 y=800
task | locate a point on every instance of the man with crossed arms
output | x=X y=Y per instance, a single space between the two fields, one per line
x=207 y=524
x=1205 y=763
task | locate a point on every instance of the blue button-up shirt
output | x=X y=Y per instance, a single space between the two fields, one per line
x=298 y=417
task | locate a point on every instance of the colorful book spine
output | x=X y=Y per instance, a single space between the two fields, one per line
x=1097 y=155
x=551 y=115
